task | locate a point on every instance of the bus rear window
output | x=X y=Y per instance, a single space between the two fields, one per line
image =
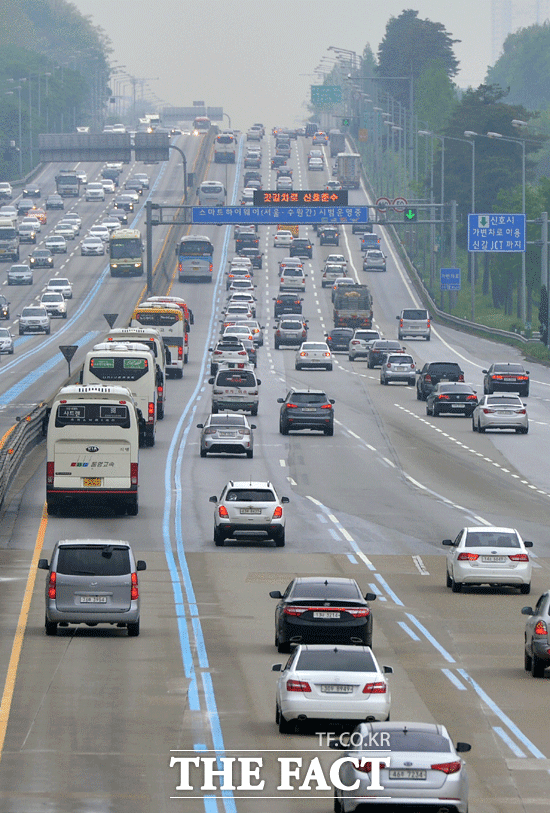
x=158 y=318
x=195 y=248
x=118 y=369
x=93 y=414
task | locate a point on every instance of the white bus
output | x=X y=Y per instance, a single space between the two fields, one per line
x=131 y=365
x=92 y=450
x=153 y=340
x=194 y=253
x=211 y=193
x=225 y=148
x=170 y=323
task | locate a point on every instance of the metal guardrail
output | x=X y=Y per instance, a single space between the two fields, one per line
x=30 y=429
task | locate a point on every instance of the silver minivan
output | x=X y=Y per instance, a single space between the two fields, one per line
x=235 y=389
x=414 y=322
x=92 y=581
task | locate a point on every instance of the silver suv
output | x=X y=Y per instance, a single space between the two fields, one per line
x=34 y=319
x=360 y=342
x=92 y=581
x=249 y=509
x=374 y=260
x=290 y=331
x=414 y=322
x=398 y=367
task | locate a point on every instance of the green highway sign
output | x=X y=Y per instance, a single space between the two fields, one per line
x=410 y=215
x=326 y=95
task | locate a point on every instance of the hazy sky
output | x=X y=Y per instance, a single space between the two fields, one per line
x=249 y=56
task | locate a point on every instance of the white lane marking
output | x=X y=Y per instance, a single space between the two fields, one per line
x=419 y=564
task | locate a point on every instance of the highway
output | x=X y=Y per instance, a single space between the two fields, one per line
x=90 y=720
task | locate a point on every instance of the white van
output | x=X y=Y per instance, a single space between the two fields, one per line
x=153 y=340
x=131 y=365
x=235 y=387
x=211 y=193
x=92 y=449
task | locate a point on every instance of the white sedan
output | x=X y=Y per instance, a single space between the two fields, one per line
x=282 y=239
x=313 y=354
x=92 y=246
x=60 y=285
x=488 y=555
x=100 y=231
x=56 y=243
x=315 y=165
x=502 y=410
x=331 y=682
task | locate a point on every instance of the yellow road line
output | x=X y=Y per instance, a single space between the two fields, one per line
x=21 y=628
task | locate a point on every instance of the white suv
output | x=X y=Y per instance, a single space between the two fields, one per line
x=95 y=191
x=34 y=319
x=249 y=509
x=360 y=341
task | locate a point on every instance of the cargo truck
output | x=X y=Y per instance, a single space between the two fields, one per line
x=9 y=239
x=348 y=169
x=337 y=141
x=68 y=183
x=352 y=306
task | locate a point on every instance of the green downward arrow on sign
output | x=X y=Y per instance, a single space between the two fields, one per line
x=483 y=221
x=410 y=214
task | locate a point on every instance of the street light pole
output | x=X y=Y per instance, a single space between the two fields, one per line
x=472 y=256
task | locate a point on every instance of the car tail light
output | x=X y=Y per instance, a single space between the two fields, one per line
x=242 y=352
x=223 y=512
x=298 y=686
x=291 y=406
x=210 y=431
x=49 y=472
x=151 y=410
x=134 y=594
x=366 y=767
x=467 y=557
x=520 y=411
x=304 y=334
x=278 y=513
x=471 y=397
x=428 y=377
x=401 y=325
x=540 y=628
x=519 y=557
x=296 y=611
x=160 y=391
x=447 y=767
x=487 y=411
x=217 y=352
x=428 y=323
x=134 y=474
x=443 y=398
x=461 y=377
x=355 y=341
x=362 y=612
x=326 y=406
x=375 y=688
x=51 y=585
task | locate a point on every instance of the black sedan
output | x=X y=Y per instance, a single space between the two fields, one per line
x=31 y=191
x=278 y=161
x=322 y=610
x=306 y=409
x=506 y=377
x=378 y=350
x=339 y=338
x=4 y=308
x=453 y=397
x=54 y=202
x=41 y=258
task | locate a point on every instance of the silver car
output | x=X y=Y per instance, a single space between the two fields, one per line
x=92 y=246
x=374 y=260
x=360 y=343
x=501 y=411
x=34 y=319
x=398 y=367
x=92 y=581
x=290 y=331
x=425 y=770
x=56 y=243
x=6 y=341
x=249 y=509
x=313 y=354
x=229 y=433
x=20 y=274
x=537 y=640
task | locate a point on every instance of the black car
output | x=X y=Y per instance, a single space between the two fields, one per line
x=55 y=202
x=306 y=409
x=4 y=308
x=41 y=258
x=31 y=191
x=506 y=377
x=322 y=610
x=252 y=175
x=254 y=255
x=432 y=373
x=328 y=235
x=278 y=161
x=287 y=303
x=378 y=350
x=246 y=241
x=135 y=185
x=24 y=206
x=120 y=214
x=125 y=204
x=110 y=174
x=453 y=397
x=339 y=338
x=284 y=172
x=301 y=247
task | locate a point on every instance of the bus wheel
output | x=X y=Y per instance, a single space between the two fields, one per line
x=132 y=509
x=179 y=374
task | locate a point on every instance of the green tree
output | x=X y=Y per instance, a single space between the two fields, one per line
x=524 y=66
x=409 y=47
x=435 y=98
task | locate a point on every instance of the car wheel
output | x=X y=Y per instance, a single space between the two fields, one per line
x=277 y=345
x=427 y=338
x=283 y=646
x=21 y=332
x=47 y=332
x=280 y=539
x=283 y=427
x=51 y=627
x=329 y=430
x=328 y=367
x=428 y=412
x=525 y=589
x=480 y=428
x=351 y=358
x=132 y=509
x=411 y=382
x=456 y=587
x=133 y=629
x=435 y=412
x=214 y=410
x=284 y=726
x=203 y=452
x=250 y=453
x=213 y=369
x=297 y=367
x=474 y=426
x=537 y=666
x=12 y=352
x=418 y=395
x=525 y=392
x=337 y=805
x=179 y=373
x=254 y=410
x=527 y=661
x=448 y=581
x=218 y=538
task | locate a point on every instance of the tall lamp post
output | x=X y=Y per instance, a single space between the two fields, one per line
x=20 y=149
x=472 y=256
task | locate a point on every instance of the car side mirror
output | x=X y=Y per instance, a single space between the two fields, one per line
x=177 y=249
x=484 y=371
x=461 y=747
x=280 y=400
x=200 y=426
x=253 y=426
x=210 y=380
x=258 y=381
x=285 y=499
x=448 y=542
x=213 y=498
x=397 y=317
x=527 y=544
x=276 y=594
x=370 y=596
x=524 y=610
x=277 y=667
x=332 y=401
x=43 y=564
x=388 y=670
x=141 y=564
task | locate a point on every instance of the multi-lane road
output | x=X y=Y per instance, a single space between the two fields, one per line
x=91 y=719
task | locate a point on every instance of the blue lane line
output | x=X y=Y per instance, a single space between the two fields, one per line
x=430 y=638
x=516 y=750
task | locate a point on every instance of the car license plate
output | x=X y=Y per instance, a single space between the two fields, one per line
x=509 y=378
x=407 y=773
x=493 y=559
x=326 y=615
x=228 y=435
x=443 y=379
x=308 y=409
x=92 y=482
x=336 y=689
x=251 y=510
x=457 y=406
x=93 y=599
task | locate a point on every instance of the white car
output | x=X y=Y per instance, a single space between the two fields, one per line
x=73 y=217
x=34 y=319
x=27 y=233
x=331 y=682
x=111 y=223
x=56 y=243
x=55 y=304
x=360 y=343
x=65 y=230
x=95 y=192
x=282 y=239
x=6 y=341
x=249 y=509
x=108 y=185
x=315 y=165
x=336 y=259
x=143 y=178
x=81 y=175
x=313 y=354
x=33 y=221
x=503 y=410
x=488 y=555
x=60 y=285
x=100 y=231
x=247 y=198
x=92 y=246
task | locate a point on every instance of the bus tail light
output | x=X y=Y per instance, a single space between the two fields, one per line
x=49 y=472
x=151 y=411
x=134 y=474
x=180 y=353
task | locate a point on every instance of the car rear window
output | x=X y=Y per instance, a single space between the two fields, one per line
x=406 y=740
x=308 y=397
x=235 y=378
x=498 y=539
x=336 y=660
x=251 y=495
x=508 y=368
x=327 y=590
x=411 y=313
x=93 y=560
x=507 y=400
x=444 y=367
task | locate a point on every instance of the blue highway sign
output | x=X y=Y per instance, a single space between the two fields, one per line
x=496 y=232
x=280 y=214
x=450 y=279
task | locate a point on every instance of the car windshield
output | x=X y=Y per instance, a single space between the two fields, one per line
x=4 y=333
x=251 y=495
x=492 y=539
x=52 y=298
x=406 y=740
x=34 y=312
x=107 y=560
x=41 y=253
x=336 y=660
